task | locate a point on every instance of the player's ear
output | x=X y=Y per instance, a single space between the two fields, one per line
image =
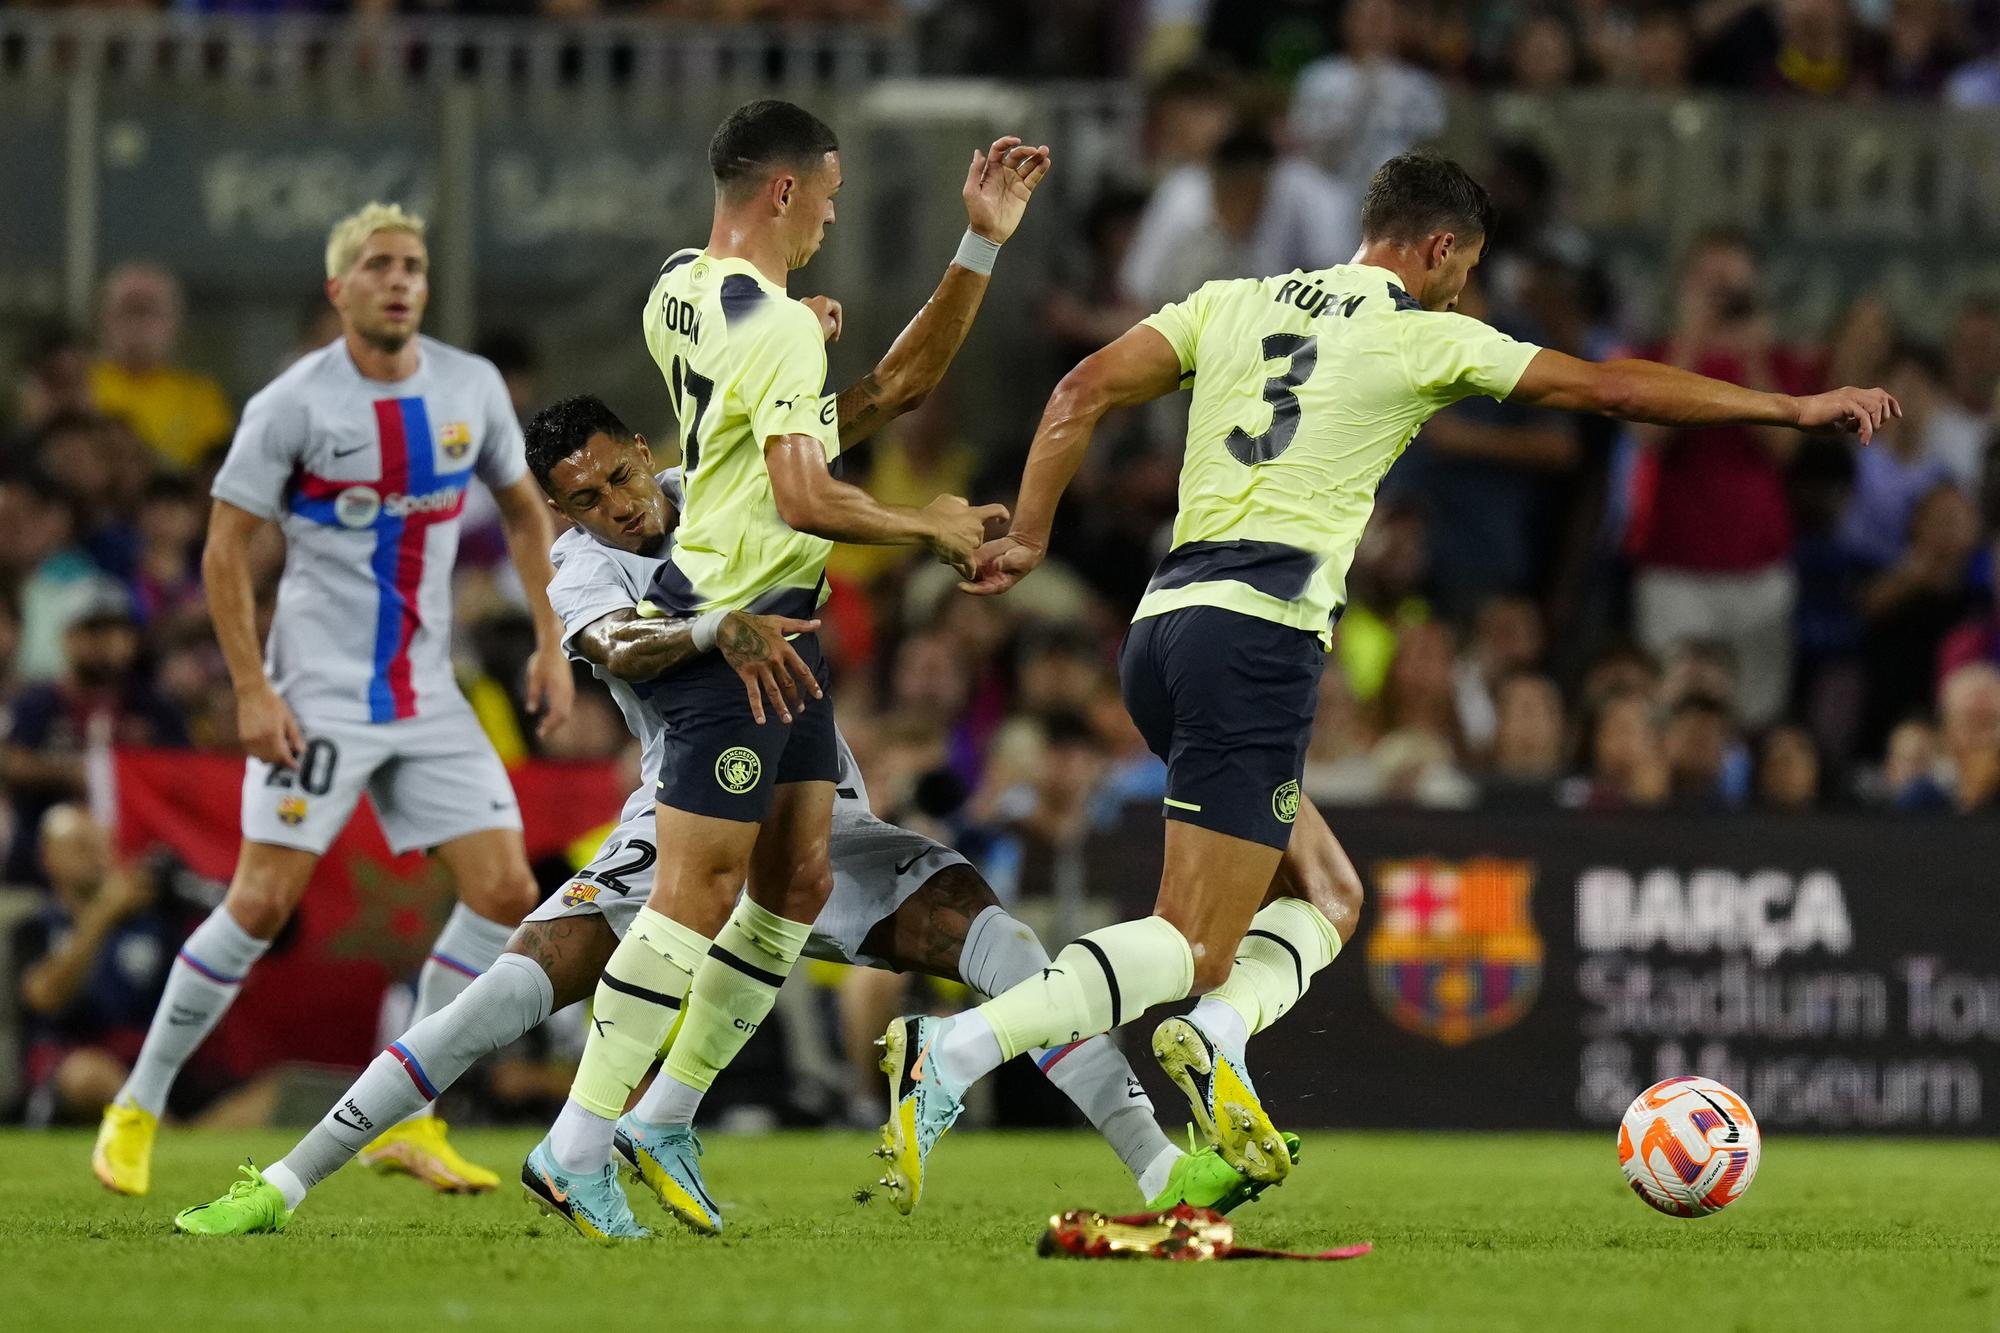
x=645 y=450
x=332 y=290
x=783 y=187
x=1441 y=248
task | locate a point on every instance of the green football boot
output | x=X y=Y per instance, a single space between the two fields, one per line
x=252 y=1206
x=1203 y=1179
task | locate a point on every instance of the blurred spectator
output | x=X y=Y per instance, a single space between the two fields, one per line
x=1527 y=753
x=1354 y=111
x=1920 y=49
x=1082 y=308
x=1338 y=770
x=1039 y=852
x=1911 y=606
x=1861 y=341
x=1246 y=213
x=1970 y=708
x=1809 y=47
x=1972 y=355
x=180 y=414
x=54 y=382
x=95 y=466
x=1542 y=54
x=1890 y=477
x=1657 y=53
x=1416 y=716
x=1698 y=739
x=1270 y=39
x=1506 y=638
x=1482 y=470
x=166 y=577
x=1188 y=112
x=1383 y=596
x=1788 y=775
x=101 y=698
x=50 y=575
x=1626 y=764
x=1913 y=756
x=1709 y=531
x=93 y=961
x=1941 y=427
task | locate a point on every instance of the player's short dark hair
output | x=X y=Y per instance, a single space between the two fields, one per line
x=1414 y=195
x=761 y=135
x=562 y=428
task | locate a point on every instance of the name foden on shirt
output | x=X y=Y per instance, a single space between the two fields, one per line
x=681 y=317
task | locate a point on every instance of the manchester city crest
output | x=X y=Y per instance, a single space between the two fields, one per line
x=1454 y=954
x=738 y=769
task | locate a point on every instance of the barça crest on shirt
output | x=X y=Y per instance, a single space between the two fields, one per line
x=291 y=811
x=576 y=893
x=1454 y=955
x=456 y=437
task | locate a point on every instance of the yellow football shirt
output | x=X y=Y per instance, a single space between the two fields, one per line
x=1307 y=386
x=744 y=363
x=180 y=415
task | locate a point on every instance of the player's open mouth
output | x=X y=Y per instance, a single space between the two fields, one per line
x=396 y=311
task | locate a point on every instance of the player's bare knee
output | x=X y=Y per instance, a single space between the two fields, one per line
x=801 y=893
x=505 y=897
x=260 y=905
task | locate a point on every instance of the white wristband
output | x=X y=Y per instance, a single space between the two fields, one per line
x=706 y=626
x=976 y=253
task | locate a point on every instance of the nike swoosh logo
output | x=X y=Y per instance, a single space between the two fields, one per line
x=917 y=1069
x=343 y=1120
x=351 y=449
x=555 y=1194
x=498 y=805
x=904 y=868
x=1133 y=1091
x=176 y=1021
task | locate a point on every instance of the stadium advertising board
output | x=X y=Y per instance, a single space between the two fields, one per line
x=1535 y=971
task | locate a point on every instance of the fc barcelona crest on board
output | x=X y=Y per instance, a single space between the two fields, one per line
x=1454 y=954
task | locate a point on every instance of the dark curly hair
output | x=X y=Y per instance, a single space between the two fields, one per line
x=562 y=428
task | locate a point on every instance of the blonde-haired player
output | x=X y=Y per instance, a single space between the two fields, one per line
x=361 y=452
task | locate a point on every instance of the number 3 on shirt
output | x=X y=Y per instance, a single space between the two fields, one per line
x=688 y=385
x=1280 y=391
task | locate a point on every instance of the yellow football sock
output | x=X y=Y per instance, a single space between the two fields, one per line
x=637 y=1001
x=1288 y=942
x=1101 y=980
x=734 y=988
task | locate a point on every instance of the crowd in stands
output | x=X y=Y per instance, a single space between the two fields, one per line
x=1546 y=613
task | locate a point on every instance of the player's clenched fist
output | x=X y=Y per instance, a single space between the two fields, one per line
x=265 y=725
x=958 y=529
x=828 y=311
x=1002 y=563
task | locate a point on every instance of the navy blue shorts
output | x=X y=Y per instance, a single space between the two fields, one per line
x=1228 y=701
x=718 y=761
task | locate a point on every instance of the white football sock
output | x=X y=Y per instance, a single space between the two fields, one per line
x=1223 y=1024
x=580 y=1140
x=463 y=951
x=511 y=1000
x=668 y=1101
x=203 y=981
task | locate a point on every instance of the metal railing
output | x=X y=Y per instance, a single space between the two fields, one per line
x=293 y=51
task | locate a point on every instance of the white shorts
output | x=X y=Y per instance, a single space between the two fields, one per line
x=876 y=867
x=431 y=779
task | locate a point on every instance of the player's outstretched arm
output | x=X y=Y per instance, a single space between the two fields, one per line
x=524 y=520
x=264 y=723
x=997 y=188
x=811 y=500
x=633 y=645
x=1663 y=395
x=1139 y=367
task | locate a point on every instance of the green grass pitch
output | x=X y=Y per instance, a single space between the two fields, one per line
x=1489 y=1232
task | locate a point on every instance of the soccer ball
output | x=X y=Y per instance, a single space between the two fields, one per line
x=1689 y=1146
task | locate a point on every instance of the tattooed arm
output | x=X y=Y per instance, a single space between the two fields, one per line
x=635 y=647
